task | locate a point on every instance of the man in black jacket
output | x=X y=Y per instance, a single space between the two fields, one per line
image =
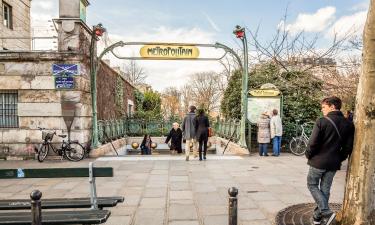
x=331 y=142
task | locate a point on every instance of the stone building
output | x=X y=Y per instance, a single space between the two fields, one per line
x=15 y=25
x=51 y=89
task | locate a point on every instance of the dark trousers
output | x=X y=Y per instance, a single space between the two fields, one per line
x=203 y=139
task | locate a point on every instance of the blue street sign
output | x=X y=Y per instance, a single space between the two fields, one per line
x=64 y=82
x=65 y=69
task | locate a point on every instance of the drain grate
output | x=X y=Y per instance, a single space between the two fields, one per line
x=300 y=214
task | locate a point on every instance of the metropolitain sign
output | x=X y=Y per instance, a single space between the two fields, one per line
x=169 y=52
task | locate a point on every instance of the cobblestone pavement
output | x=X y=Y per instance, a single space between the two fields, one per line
x=167 y=190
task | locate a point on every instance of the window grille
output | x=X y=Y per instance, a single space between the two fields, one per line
x=8 y=109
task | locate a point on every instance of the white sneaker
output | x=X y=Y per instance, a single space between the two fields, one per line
x=330 y=219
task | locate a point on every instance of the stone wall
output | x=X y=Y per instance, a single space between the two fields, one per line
x=108 y=87
x=21 y=26
x=39 y=103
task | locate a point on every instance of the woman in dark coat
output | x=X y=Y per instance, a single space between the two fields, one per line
x=146 y=145
x=175 y=135
x=201 y=126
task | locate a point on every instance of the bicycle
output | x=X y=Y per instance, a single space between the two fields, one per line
x=298 y=145
x=72 y=150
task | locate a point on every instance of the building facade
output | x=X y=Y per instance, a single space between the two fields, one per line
x=52 y=90
x=15 y=30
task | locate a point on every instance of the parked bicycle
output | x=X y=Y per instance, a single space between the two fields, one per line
x=298 y=145
x=72 y=150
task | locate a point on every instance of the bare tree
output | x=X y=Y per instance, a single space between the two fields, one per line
x=359 y=199
x=186 y=97
x=206 y=89
x=133 y=72
x=297 y=51
x=171 y=102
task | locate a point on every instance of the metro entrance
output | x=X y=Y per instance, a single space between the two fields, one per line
x=169 y=51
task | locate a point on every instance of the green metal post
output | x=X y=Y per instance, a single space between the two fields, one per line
x=244 y=94
x=94 y=140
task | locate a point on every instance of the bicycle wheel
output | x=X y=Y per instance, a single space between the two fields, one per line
x=298 y=146
x=75 y=152
x=43 y=152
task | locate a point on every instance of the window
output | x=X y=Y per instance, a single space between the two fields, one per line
x=7 y=12
x=130 y=110
x=8 y=109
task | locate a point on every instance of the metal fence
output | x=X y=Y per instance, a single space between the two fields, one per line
x=114 y=129
x=228 y=129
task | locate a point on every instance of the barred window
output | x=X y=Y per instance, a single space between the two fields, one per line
x=8 y=109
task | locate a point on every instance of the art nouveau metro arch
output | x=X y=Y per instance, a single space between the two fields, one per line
x=173 y=51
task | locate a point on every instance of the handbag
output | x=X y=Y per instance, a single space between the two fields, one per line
x=210 y=132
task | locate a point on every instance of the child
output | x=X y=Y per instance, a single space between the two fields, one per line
x=175 y=135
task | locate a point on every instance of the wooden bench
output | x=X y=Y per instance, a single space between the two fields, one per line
x=93 y=216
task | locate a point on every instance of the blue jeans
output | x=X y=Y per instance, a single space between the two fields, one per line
x=319 y=182
x=276 y=141
x=263 y=149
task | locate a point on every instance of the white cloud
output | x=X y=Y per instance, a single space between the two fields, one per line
x=314 y=22
x=352 y=24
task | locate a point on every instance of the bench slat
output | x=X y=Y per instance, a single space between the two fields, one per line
x=54 y=172
x=57 y=203
x=57 y=217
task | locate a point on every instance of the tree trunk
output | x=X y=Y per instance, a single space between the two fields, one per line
x=359 y=199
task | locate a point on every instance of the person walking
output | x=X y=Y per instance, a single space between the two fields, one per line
x=146 y=145
x=188 y=130
x=201 y=126
x=276 y=132
x=264 y=136
x=175 y=136
x=330 y=143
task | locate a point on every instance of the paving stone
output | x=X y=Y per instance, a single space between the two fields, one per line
x=184 y=222
x=117 y=220
x=178 y=178
x=152 y=203
x=182 y=212
x=181 y=201
x=159 y=172
x=149 y=217
x=262 y=196
x=213 y=210
x=251 y=214
x=155 y=192
x=215 y=220
x=173 y=195
x=179 y=186
x=204 y=188
x=256 y=222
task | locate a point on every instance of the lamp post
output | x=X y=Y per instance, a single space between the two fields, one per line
x=97 y=31
x=240 y=33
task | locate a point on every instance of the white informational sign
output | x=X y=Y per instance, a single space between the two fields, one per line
x=257 y=105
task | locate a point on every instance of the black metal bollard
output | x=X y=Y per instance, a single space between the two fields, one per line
x=233 y=191
x=36 y=208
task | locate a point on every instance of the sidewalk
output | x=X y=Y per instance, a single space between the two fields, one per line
x=168 y=190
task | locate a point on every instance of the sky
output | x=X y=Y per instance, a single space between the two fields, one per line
x=198 y=21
